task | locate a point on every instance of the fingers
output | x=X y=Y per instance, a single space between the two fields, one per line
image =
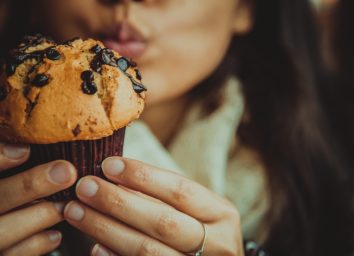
x=38 y=244
x=38 y=182
x=117 y=236
x=28 y=221
x=157 y=220
x=12 y=155
x=171 y=188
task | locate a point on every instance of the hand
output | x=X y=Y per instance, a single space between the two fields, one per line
x=23 y=221
x=152 y=212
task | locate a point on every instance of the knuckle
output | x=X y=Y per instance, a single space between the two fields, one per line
x=32 y=183
x=140 y=176
x=100 y=228
x=29 y=184
x=115 y=202
x=166 y=226
x=182 y=191
x=233 y=220
x=148 y=248
x=229 y=212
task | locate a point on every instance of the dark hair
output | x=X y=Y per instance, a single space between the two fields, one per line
x=280 y=67
x=342 y=47
x=17 y=24
x=343 y=37
x=283 y=82
x=294 y=105
x=340 y=93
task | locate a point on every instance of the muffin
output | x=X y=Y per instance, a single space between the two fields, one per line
x=68 y=101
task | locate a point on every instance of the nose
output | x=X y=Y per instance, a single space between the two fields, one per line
x=114 y=2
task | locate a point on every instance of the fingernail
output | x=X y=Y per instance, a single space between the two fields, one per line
x=59 y=206
x=60 y=173
x=54 y=236
x=74 y=212
x=113 y=166
x=13 y=151
x=99 y=251
x=87 y=187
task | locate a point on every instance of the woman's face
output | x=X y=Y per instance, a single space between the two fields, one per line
x=177 y=43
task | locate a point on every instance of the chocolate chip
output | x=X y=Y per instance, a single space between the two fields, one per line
x=37 y=55
x=96 y=49
x=53 y=54
x=138 y=87
x=33 y=40
x=138 y=74
x=107 y=57
x=10 y=68
x=77 y=130
x=3 y=93
x=21 y=57
x=87 y=75
x=123 y=64
x=50 y=39
x=133 y=64
x=40 y=80
x=96 y=65
x=89 y=87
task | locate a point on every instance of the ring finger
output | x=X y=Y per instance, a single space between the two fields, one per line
x=117 y=236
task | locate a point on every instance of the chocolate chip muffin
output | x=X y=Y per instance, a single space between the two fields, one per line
x=69 y=101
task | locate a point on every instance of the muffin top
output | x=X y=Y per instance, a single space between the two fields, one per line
x=78 y=90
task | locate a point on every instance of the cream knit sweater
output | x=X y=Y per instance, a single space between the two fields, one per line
x=206 y=150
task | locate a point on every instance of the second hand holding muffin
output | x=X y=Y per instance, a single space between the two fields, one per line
x=152 y=212
x=23 y=220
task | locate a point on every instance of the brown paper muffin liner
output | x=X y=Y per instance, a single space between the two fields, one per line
x=86 y=156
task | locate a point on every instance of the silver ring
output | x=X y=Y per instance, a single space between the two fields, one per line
x=201 y=250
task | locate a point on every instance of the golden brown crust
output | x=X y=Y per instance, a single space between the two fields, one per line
x=61 y=111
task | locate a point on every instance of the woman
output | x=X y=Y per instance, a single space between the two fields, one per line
x=234 y=104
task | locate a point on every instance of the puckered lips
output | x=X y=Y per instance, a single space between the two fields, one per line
x=125 y=40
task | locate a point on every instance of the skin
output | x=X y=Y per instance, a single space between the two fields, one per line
x=186 y=40
x=22 y=220
x=149 y=211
